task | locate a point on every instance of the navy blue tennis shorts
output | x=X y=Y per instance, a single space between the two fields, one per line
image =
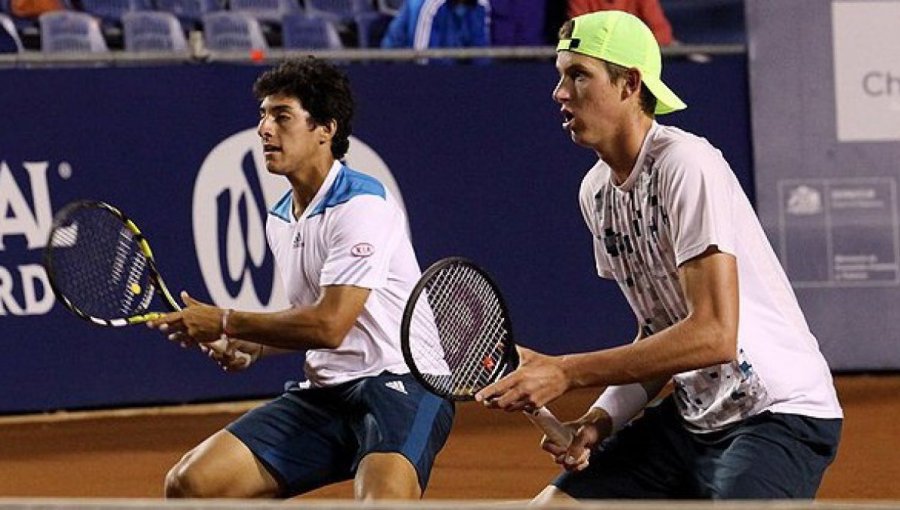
x=309 y=438
x=767 y=456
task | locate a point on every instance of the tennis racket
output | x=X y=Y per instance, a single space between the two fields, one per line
x=101 y=268
x=456 y=337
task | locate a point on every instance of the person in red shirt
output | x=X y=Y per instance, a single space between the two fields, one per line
x=34 y=8
x=649 y=11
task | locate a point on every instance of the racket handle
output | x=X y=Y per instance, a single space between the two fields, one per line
x=555 y=431
x=220 y=346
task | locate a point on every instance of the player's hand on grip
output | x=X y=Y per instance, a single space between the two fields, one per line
x=589 y=431
x=234 y=355
x=196 y=323
x=539 y=380
x=202 y=323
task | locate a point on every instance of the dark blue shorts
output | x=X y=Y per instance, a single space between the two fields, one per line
x=767 y=456
x=309 y=438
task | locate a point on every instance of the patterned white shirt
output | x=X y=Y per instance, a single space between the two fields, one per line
x=680 y=199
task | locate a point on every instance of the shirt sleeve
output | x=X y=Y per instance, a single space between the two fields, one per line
x=698 y=190
x=361 y=239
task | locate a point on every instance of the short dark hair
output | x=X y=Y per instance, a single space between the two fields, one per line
x=322 y=90
x=615 y=72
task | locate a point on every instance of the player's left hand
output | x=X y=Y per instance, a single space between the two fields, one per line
x=538 y=381
x=234 y=355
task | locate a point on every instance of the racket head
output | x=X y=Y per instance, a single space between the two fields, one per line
x=100 y=266
x=455 y=334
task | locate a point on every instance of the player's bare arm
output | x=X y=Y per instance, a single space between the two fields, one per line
x=323 y=325
x=707 y=336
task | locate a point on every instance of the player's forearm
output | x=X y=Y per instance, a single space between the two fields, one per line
x=688 y=345
x=291 y=329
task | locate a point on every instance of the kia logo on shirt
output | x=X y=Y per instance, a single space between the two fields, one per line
x=362 y=250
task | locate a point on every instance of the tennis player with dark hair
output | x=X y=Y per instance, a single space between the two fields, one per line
x=754 y=413
x=341 y=246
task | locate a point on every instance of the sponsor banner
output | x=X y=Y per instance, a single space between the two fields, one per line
x=476 y=154
x=826 y=136
x=866 y=69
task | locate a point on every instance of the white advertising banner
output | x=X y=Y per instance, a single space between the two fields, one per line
x=867 y=69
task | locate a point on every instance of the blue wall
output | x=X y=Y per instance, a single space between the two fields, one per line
x=477 y=151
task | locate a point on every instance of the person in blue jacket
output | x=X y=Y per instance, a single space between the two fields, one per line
x=422 y=24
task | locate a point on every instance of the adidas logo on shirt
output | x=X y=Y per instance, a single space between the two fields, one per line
x=397 y=386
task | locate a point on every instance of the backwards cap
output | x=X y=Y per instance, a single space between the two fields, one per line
x=623 y=39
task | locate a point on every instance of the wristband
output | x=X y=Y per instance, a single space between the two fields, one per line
x=225 y=314
x=622 y=403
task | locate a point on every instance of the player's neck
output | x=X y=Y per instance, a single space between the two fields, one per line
x=307 y=180
x=622 y=150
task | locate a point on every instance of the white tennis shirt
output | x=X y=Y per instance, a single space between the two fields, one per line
x=352 y=233
x=680 y=199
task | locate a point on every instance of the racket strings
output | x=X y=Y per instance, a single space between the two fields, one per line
x=98 y=265
x=471 y=327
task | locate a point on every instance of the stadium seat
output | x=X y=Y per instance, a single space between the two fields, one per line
x=338 y=11
x=370 y=28
x=9 y=36
x=189 y=12
x=301 y=31
x=232 y=31
x=111 y=11
x=70 y=31
x=268 y=11
x=154 y=31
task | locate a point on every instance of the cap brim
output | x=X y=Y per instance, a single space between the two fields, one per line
x=666 y=100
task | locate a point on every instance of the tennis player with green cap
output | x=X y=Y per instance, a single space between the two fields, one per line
x=754 y=413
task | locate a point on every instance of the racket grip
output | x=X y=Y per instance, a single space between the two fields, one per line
x=555 y=431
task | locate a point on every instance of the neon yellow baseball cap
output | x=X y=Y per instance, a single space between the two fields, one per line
x=621 y=38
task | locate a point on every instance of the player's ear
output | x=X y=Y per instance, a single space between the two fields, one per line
x=633 y=81
x=327 y=131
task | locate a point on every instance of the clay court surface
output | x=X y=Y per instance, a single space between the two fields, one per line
x=490 y=455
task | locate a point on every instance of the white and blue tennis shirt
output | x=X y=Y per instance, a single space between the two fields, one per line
x=352 y=233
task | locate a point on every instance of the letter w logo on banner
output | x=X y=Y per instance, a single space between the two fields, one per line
x=246 y=256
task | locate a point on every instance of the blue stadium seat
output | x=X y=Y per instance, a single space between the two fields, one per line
x=154 y=31
x=9 y=36
x=189 y=12
x=268 y=11
x=301 y=31
x=111 y=11
x=232 y=31
x=370 y=28
x=70 y=31
x=338 y=11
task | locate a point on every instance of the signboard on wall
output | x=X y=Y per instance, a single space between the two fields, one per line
x=826 y=136
x=866 y=70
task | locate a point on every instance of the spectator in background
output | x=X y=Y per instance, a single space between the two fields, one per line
x=518 y=22
x=649 y=11
x=422 y=24
x=34 y=8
